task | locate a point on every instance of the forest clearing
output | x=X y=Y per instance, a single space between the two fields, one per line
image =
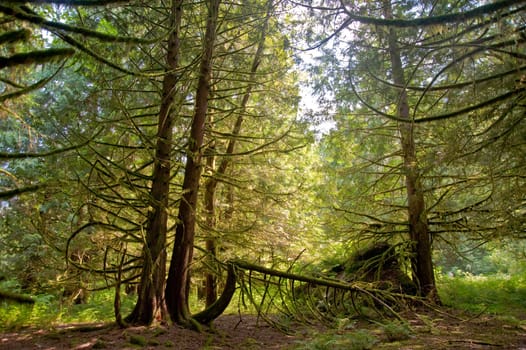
x=318 y=174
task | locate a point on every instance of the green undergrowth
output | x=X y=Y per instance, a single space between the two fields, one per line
x=49 y=310
x=502 y=295
x=499 y=295
x=353 y=340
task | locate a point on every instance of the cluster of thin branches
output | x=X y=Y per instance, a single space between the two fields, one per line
x=281 y=297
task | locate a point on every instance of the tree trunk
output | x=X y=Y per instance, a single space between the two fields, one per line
x=210 y=212
x=150 y=303
x=218 y=307
x=212 y=182
x=178 y=283
x=421 y=263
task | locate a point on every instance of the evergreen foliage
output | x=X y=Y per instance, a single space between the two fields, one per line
x=138 y=133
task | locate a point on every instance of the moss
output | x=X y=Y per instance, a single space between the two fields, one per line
x=137 y=339
x=99 y=344
x=159 y=331
x=396 y=331
x=154 y=342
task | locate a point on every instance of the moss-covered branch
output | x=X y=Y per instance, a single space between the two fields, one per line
x=77 y=44
x=70 y=2
x=20 y=298
x=18 y=191
x=218 y=307
x=296 y=277
x=457 y=17
x=462 y=111
x=459 y=112
x=474 y=82
x=24 y=90
x=35 y=57
x=18 y=13
x=22 y=155
x=14 y=36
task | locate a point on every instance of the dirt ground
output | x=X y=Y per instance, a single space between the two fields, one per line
x=429 y=330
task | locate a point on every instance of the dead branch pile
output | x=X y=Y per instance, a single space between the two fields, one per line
x=279 y=296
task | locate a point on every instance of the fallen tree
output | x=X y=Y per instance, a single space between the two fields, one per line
x=274 y=293
x=313 y=299
x=16 y=297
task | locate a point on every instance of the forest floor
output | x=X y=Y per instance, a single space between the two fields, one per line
x=428 y=330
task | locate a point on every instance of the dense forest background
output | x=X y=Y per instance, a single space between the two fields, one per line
x=144 y=144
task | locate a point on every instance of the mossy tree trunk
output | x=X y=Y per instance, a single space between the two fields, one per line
x=178 y=283
x=150 y=303
x=422 y=263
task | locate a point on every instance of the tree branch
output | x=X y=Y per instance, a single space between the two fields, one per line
x=69 y=2
x=40 y=21
x=7 y=155
x=35 y=57
x=17 y=191
x=434 y=20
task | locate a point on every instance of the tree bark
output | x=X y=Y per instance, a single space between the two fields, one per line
x=178 y=283
x=210 y=212
x=150 y=303
x=215 y=310
x=421 y=262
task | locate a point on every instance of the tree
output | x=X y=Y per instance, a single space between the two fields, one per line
x=125 y=184
x=178 y=283
x=220 y=172
x=12 y=63
x=413 y=72
x=34 y=164
x=422 y=263
x=129 y=206
x=151 y=294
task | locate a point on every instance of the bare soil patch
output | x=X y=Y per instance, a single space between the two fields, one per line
x=430 y=330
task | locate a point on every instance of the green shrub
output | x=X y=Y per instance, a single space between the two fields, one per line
x=49 y=310
x=14 y=315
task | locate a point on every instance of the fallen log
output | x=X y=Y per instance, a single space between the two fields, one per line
x=379 y=296
x=17 y=297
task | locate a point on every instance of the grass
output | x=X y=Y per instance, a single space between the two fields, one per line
x=502 y=295
x=395 y=331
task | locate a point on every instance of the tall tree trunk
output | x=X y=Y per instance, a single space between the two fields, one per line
x=150 y=303
x=210 y=212
x=212 y=182
x=178 y=283
x=422 y=263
